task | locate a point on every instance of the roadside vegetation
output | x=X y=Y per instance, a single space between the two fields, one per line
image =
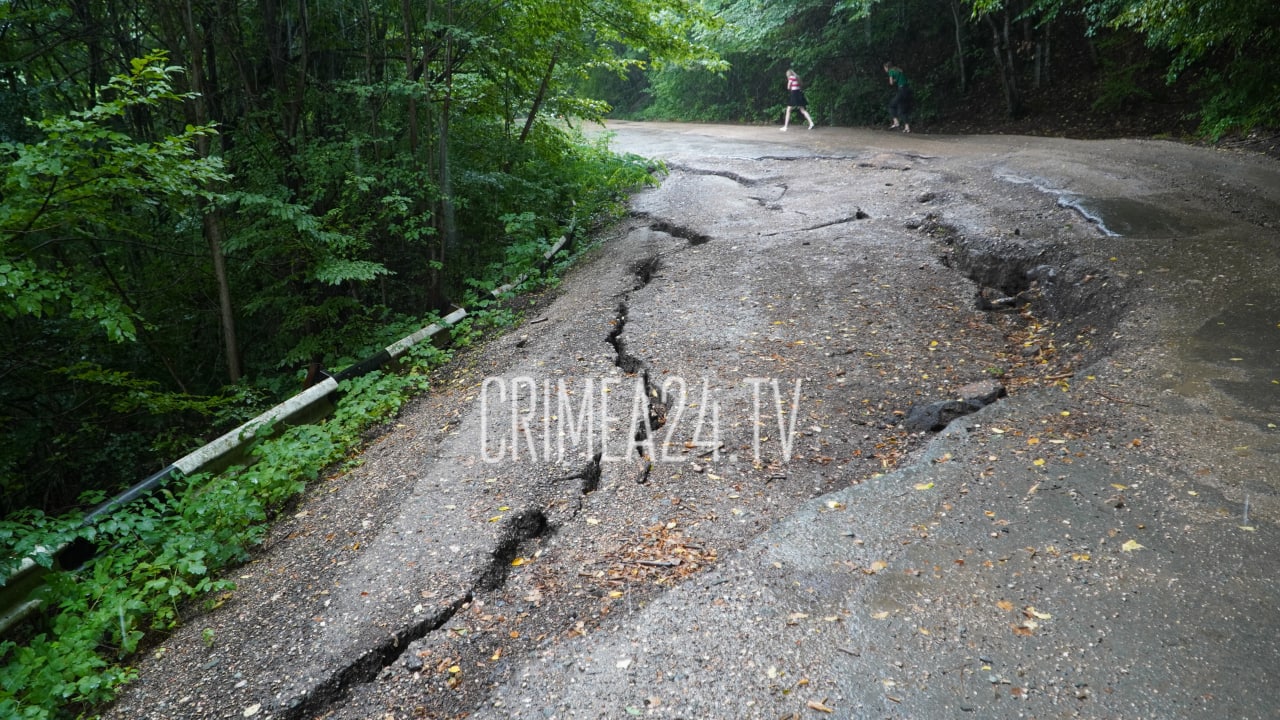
x=1082 y=68
x=206 y=206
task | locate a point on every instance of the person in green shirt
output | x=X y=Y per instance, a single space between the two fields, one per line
x=903 y=99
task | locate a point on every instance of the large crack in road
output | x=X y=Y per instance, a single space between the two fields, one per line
x=754 y=528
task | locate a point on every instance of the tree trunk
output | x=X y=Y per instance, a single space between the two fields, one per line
x=212 y=222
x=958 y=19
x=537 y=100
x=407 y=17
x=1002 y=52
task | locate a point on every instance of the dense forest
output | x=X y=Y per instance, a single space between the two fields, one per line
x=1071 y=67
x=206 y=204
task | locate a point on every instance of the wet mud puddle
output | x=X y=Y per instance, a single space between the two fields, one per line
x=1113 y=216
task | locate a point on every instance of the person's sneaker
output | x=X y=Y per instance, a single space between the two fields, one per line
x=783 y=129
x=906 y=128
x=893 y=126
x=810 y=126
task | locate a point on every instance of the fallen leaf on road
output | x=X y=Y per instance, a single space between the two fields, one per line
x=924 y=486
x=815 y=705
x=1131 y=545
x=1004 y=605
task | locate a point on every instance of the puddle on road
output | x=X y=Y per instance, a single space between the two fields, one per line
x=1124 y=217
x=1114 y=217
x=1239 y=353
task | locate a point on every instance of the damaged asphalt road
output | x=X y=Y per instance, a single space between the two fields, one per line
x=705 y=478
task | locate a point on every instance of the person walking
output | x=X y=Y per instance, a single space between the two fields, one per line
x=796 y=99
x=903 y=98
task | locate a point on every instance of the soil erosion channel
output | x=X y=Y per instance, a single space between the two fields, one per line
x=838 y=423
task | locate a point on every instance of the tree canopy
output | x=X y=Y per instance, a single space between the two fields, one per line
x=205 y=202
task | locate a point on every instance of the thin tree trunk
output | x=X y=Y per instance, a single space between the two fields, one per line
x=1002 y=51
x=407 y=16
x=958 y=19
x=212 y=222
x=538 y=99
x=447 y=226
x=1046 y=68
x=304 y=72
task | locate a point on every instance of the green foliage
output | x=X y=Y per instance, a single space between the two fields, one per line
x=88 y=213
x=1006 y=49
x=87 y=181
x=1230 y=45
x=167 y=550
x=337 y=210
x=836 y=48
x=1239 y=101
x=163 y=552
x=1123 y=73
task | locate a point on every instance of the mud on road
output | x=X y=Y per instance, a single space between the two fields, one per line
x=883 y=425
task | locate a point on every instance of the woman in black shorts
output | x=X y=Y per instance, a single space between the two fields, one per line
x=796 y=99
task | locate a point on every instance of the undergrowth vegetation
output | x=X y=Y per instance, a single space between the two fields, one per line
x=165 y=553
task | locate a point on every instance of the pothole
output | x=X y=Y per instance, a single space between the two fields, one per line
x=1039 y=280
x=1055 y=283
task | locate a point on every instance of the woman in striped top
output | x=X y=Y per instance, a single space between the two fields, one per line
x=796 y=100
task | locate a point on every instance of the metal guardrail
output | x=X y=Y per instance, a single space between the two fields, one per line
x=16 y=602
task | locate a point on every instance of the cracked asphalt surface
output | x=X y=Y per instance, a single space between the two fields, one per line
x=686 y=485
